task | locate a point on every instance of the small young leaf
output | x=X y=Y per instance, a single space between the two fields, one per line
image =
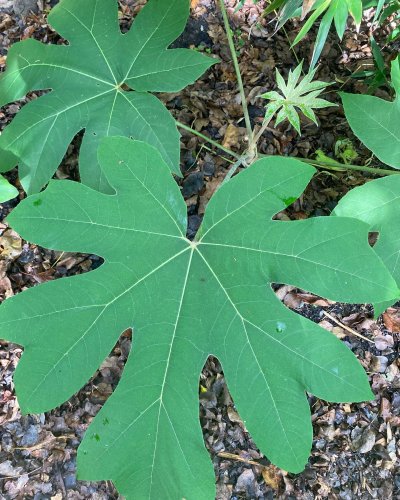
x=377 y=122
x=302 y=95
x=90 y=79
x=186 y=300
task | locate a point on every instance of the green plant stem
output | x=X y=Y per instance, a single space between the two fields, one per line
x=202 y=136
x=263 y=128
x=342 y=166
x=203 y=146
x=237 y=69
x=232 y=170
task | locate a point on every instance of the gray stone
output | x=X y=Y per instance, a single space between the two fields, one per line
x=5 y=4
x=24 y=7
x=70 y=481
x=30 y=436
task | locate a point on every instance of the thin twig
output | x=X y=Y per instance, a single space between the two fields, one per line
x=347 y=328
x=237 y=69
x=232 y=456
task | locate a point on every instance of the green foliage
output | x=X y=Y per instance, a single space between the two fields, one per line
x=302 y=95
x=377 y=204
x=7 y=191
x=332 y=11
x=379 y=76
x=344 y=150
x=90 y=79
x=184 y=301
x=377 y=122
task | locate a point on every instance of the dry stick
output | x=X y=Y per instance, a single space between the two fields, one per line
x=237 y=69
x=347 y=328
x=231 y=456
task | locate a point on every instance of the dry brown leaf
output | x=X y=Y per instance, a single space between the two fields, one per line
x=307 y=6
x=391 y=318
x=10 y=245
x=211 y=187
x=231 y=137
x=234 y=417
x=272 y=476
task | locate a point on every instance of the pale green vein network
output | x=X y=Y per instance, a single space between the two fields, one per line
x=184 y=301
x=98 y=54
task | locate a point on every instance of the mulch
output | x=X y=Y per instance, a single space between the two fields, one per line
x=355 y=448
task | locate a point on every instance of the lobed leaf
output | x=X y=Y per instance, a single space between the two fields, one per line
x=376 y=122
x=186 y=300
x=100 y=83
x=302 y=95
x=377 y=204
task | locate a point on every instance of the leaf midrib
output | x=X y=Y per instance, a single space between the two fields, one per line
x=274 y=339
x=104 y=308
x=269 y=252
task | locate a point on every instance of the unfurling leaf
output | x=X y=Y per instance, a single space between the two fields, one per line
x=302 y=95
x=186 y=300
x=99 y=82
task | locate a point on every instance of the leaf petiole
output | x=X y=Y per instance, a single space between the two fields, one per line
x=202 y=136
x=237 y=69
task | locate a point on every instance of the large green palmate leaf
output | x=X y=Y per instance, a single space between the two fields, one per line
x=89 y=79
x=377 y=122
x=186 y=300
x=377 y=203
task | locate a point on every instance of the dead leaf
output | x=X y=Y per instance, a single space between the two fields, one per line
x=382 y=342
x=234 y=417
x=10 y=245
x=391 y=319
x=231 y=137
x=307 y=6
x=211 y=187
x=272 y=476
x=363 y=439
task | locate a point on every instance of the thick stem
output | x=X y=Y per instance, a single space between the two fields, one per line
x=214 y=143
x=237 y=69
